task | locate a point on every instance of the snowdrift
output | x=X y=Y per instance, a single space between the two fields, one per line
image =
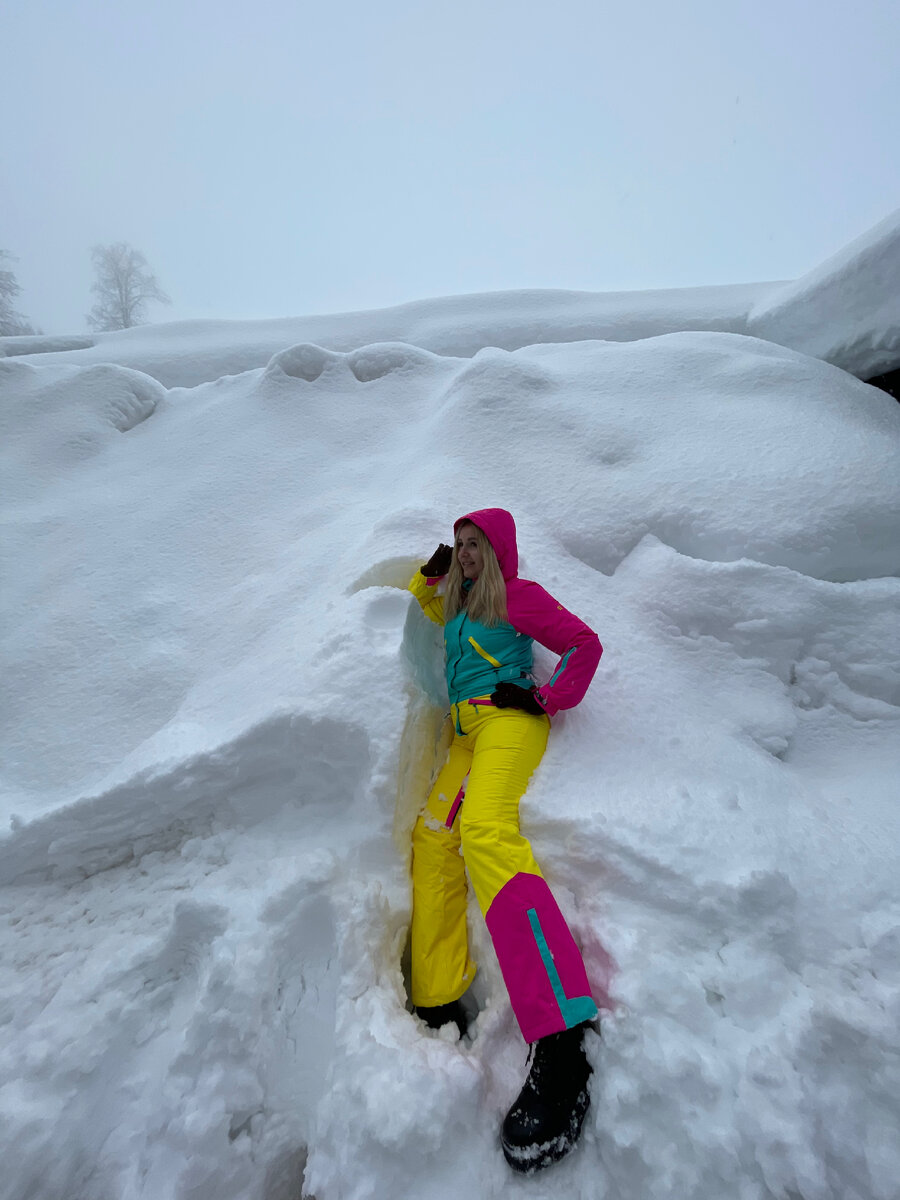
x=847 y=310
x=222 y=711
x=186 y=353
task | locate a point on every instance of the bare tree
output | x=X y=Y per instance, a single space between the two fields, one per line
x=124 y=286
x=11 y=322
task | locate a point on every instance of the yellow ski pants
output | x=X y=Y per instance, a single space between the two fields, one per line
x=471 y=821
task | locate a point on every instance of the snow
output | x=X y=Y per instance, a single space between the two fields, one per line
x=41 y=343
x=222 y=711
x=186 y=353
x=847 y=310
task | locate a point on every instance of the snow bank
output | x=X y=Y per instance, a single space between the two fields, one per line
x=186 y=353
x=846 y=311
x=54 y=420
x=42 y=343
x=221 y=713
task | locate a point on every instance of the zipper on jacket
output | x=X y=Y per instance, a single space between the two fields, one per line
x=458 y=657
x=484 y=654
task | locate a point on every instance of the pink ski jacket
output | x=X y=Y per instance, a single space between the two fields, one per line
x=533 y=612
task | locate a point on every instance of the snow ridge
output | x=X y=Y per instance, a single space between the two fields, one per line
x=847 y=310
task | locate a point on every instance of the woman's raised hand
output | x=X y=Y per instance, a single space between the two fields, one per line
x=439 y=563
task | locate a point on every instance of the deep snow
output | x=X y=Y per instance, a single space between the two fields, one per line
x=186 y=353
x=846 y=310
x=220 y=717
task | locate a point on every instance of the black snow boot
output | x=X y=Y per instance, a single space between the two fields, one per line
x=443 y=1014
x=544 y=1123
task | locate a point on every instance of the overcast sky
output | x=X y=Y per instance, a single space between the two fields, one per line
x=277 y=158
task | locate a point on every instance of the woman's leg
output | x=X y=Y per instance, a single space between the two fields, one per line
x=542 y=967
x=441 y=967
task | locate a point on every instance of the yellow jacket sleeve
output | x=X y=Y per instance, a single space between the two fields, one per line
x=425 y=591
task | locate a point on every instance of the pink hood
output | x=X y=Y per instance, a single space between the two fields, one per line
x=499 y=528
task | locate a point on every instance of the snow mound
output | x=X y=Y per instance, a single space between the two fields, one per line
x=42 y=343
x=846 y=311
x=241 y=783
x=53 y=421
x=187 y=353
x=222 y=712
x=627 y=428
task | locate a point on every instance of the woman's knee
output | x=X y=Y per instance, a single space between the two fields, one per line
x=483 y=831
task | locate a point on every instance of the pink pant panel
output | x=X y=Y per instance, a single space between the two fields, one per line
x=542 y=967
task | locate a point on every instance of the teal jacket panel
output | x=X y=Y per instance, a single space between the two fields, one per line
x=480 y=656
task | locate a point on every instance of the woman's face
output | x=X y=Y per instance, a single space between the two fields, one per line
x=468 y=553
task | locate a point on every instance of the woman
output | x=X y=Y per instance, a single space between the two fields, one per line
x=501 y=723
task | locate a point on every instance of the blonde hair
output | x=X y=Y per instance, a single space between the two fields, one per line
x=485 y=601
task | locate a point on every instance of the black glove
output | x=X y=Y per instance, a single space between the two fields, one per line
x=510 y=695
x=439 y=563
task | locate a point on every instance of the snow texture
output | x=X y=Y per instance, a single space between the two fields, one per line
x=41 y=343
x=847 y=310
x=190 y=352
x=221 y=712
